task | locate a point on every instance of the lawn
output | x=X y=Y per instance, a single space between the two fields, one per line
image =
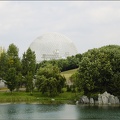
x=68 y=73
x=37 y=97
x=22 y=96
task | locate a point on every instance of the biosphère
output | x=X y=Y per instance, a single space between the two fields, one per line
x=52 y=46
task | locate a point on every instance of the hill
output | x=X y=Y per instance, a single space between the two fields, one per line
x=68 y=74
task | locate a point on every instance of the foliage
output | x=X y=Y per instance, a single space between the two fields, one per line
x=77 y=83
x=99 y=70
x=3 y=65
x=49 y=81
x=29 y=82
x=10 y=66
x=71 y=62
x=19 y=80
x=13 y=58
x=11 y=79
x=28 y=68
x=28 y=62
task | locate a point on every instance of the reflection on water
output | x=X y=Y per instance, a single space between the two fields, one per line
x=76 y=112
x=99 y=112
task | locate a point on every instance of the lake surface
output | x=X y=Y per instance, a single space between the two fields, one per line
x=58 y=112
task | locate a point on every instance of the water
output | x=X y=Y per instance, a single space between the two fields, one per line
x=58 y=112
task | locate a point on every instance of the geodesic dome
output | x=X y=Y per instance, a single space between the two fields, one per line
x=52 y=46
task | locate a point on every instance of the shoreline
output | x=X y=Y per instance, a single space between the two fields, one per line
x=46 y=103
x=37 y=98
x=40 y=102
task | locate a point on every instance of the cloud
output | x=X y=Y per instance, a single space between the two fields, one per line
x=88 y=24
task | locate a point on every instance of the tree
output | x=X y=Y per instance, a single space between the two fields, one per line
x=49 y=86
x=1 y=50
x=13 y=58
x=11 y=79
x=76 y=81
x=28 y=68
x=19 y=81
x=49 y=81
x=29 y=83
x=39 y=82
x=13 y=62
x=72 y=62
x=99 y=70
x=28 y=62
x=3 y=65
x=85 y=75
x=114 y=55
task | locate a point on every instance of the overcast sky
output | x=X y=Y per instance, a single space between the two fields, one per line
x=89 y=24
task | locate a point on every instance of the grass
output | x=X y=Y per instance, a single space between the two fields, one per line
x=37 y=97
x=22 y=96
x=15 y=97
x=68 y=73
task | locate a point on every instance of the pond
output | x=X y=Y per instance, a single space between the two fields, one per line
x=58 y=112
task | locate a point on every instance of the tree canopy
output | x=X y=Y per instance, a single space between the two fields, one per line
x=99 y=70
x=28 y=68
x=12 y=66
x=49 y=81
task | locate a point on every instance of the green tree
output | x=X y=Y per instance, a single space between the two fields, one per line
x=49 y=86
x=13 y=60
x=113 y=52
x=96 y=71
x=49 y=81
x=19 y=81
x=11 y=79
x=1 y=50
x=76 y=81
x=28 y=68
x=28 y=62
x=73 y=62
x=13 y=57
x=39 y=82
x=3 y=65
x=70 y=62
x=30 y=82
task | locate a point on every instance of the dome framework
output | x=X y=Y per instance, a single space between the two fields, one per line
x=52 y=46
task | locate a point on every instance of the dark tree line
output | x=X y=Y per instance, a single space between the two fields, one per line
x=71 y=62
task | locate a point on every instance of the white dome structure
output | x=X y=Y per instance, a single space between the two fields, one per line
x=52 y=46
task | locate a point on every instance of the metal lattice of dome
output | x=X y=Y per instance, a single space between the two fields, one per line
x=52 y=46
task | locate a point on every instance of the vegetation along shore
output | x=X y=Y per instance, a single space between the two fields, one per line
x=59 y=81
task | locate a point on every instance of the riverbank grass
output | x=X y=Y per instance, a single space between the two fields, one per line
x=37 y=97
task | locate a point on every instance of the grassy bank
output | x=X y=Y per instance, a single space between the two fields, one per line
x=68 y=73
x=37 y=97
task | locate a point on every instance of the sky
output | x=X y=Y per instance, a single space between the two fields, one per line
x=89 y=24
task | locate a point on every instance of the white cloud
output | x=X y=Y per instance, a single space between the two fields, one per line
x=88 y=24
